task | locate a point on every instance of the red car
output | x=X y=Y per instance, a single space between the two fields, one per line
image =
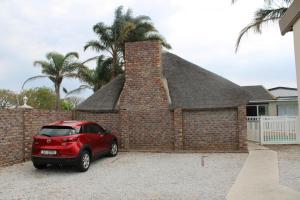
x=72 y=143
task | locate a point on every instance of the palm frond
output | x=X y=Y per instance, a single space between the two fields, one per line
x=125 y=30
x=87 y=75
x=71 y=75
x=71 y=67
x=50 y=71
x=157 y=36
x=95 y=45
x=119 y=12
x=78 y=90
x=65 y=90
x=72 y=54
x=90 y=59
x=262 y=17
x=41 y=63
x=56 y=58
x=33 y=78
x=142 y=18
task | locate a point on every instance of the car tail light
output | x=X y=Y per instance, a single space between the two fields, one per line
x=70 y=139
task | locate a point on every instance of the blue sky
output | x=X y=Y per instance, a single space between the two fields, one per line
x=203 y=32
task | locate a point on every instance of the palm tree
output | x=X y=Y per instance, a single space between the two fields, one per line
x=56 y=68
x=272 y=12
x=125 y=28
x=94 y=79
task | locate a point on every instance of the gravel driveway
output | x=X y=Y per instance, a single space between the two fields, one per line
x=289 y=164
x=128 y=176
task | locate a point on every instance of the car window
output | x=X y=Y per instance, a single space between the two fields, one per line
x=86 y=129
x=96 y=128
x=99 y=128
x=81 y=129
x=57 y=131
x=92 y=128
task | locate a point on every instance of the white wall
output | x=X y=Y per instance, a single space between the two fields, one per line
x=287 y=108
x=284 y=93
x=296 y=30
x=272 y=109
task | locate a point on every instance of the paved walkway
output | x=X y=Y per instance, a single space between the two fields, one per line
x=259 y=178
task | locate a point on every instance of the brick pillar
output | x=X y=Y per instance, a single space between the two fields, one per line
x=124 y=130
x=178 y=129
x=242 y=128
x=145 y=119
x=27 y=131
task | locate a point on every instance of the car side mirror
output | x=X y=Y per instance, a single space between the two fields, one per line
x=107 y=131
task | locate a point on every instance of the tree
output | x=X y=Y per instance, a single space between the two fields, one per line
x=75 y=100
x=67 y=105
x=8 y=98
x=56 y=68
x=125 y=28
x=94 y=79
x=272 y=12
x=40 y=98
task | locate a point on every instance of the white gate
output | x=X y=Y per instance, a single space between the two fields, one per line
x=253 y=129
x=272 y=129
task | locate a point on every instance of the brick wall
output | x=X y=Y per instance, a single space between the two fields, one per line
x=17 y=127
x=211 y=130
x=242 y=128
x=216 y=130
x=178 y=129
x=11 y=137
x=146 y=122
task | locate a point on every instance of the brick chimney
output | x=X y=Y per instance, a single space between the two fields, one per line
x=144 y=104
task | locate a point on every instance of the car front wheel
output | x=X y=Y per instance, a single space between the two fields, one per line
x=113 y=149
x=84 y=161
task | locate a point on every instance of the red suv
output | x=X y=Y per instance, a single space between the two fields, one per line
x=72 y=143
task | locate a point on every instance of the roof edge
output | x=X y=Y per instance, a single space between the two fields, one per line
x=287 y=88
x=98 y=111
x=290 y=17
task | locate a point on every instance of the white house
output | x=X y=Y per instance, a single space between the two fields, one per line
x=278 y=101
x=291 y=22
x=286 y=101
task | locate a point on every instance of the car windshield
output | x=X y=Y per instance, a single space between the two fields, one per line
x=57 y=131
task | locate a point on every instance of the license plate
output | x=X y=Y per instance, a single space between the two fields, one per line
x=48 y=152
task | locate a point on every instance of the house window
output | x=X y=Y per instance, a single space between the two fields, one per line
x=287 y=109
x=251 y=111
x=257 y=110
x=262 y=111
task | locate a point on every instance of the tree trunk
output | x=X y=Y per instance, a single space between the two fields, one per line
x=115 y=58
x=57 y=92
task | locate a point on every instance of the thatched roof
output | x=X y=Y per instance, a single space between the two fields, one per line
x=104 y=99
x=190 y=87
x=194 y=87
x=258 y=93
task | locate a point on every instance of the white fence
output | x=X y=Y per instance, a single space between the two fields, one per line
x=272 y=129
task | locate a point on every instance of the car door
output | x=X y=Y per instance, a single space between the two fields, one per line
x=93 y=138
x=100 y=138
x=106 y=140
